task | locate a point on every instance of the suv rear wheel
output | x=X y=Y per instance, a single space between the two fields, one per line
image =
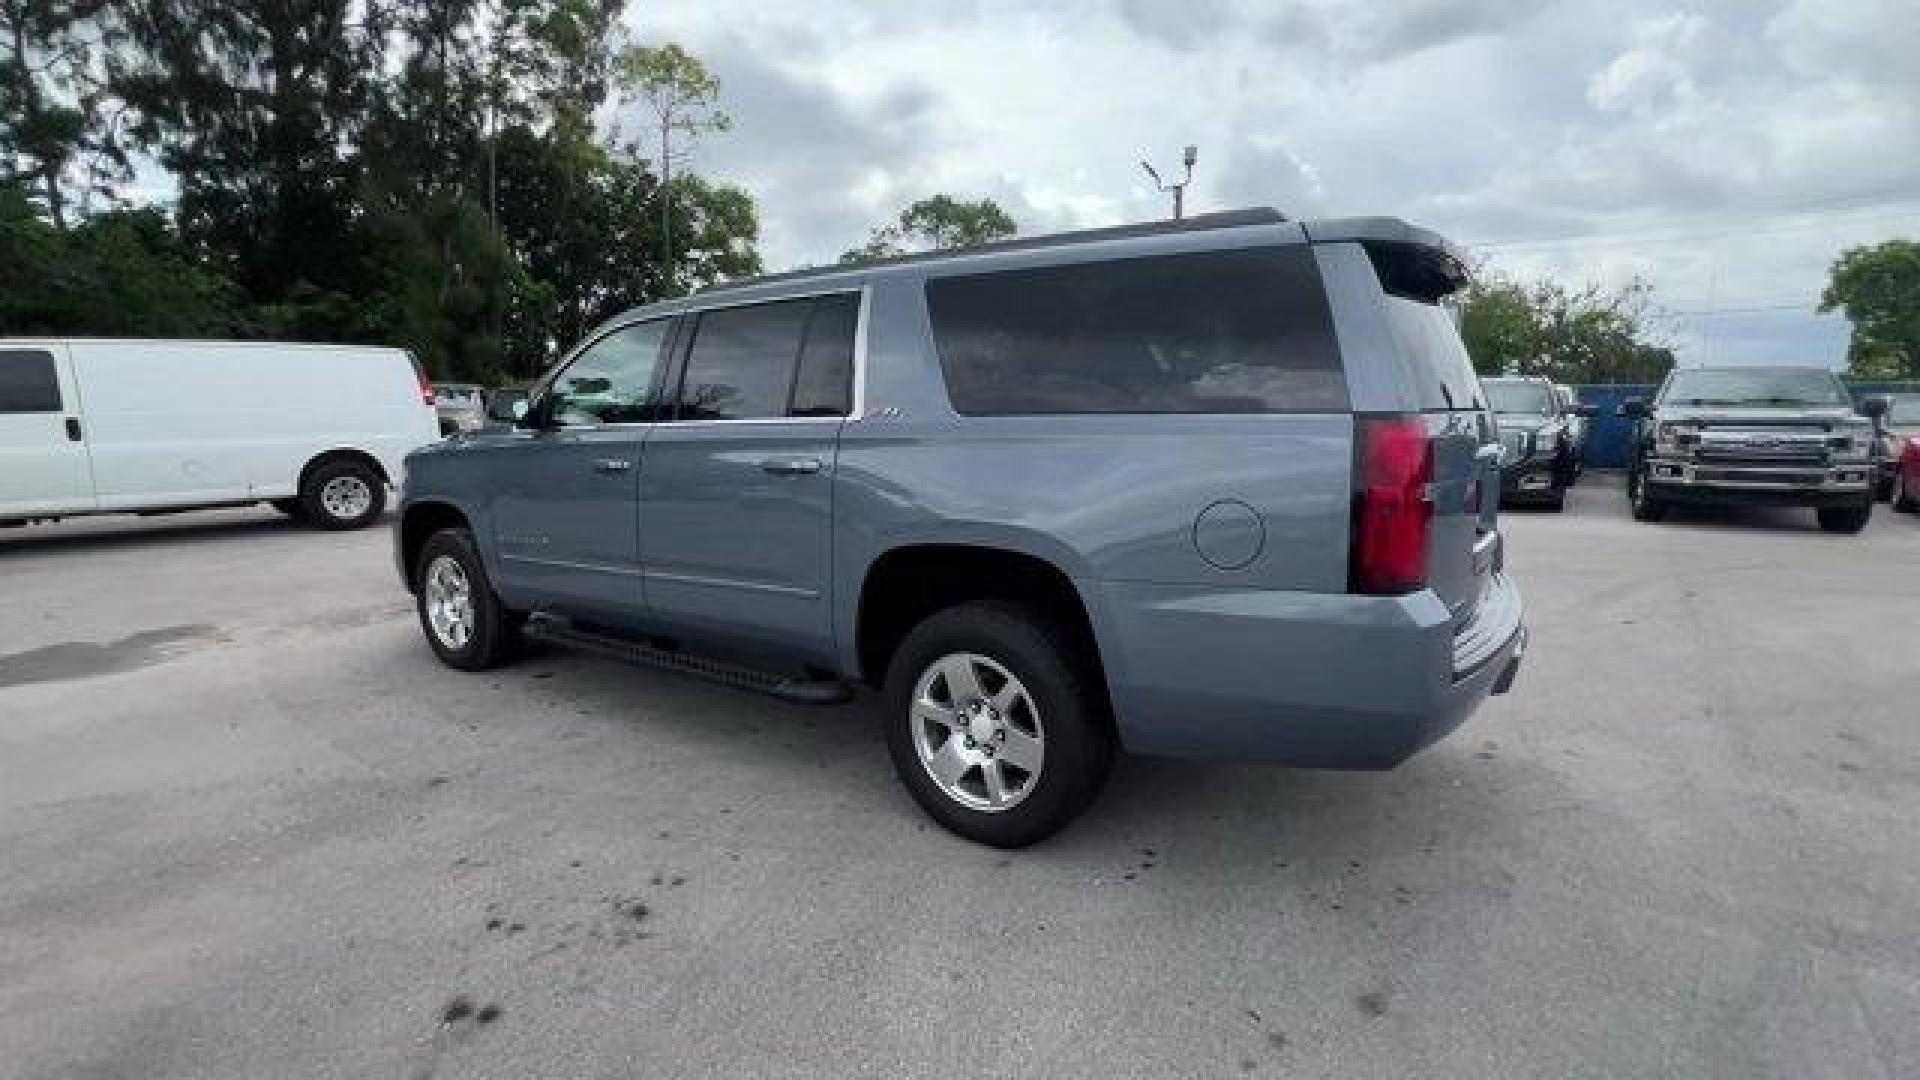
x=1844 y=519
x=463 y=619
x=1646 y=505
x=995 y=723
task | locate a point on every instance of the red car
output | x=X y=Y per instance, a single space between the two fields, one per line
x=1906 y=475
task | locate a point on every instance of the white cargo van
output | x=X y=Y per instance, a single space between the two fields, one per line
x=114 y=426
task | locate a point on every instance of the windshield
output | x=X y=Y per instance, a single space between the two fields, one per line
x=1904 y=409
x=1520 y=397
x=1754 y=387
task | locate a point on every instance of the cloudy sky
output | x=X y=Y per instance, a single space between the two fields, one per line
x=1724 y=150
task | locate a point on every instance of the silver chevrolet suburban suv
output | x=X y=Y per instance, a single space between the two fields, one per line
x=1224 y=487
x=1760 y=436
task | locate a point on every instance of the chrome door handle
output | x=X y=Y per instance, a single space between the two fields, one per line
x=790 y=466
x=612 y=465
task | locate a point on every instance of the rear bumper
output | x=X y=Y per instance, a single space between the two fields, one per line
x=1715 y=483
x=1303 y=679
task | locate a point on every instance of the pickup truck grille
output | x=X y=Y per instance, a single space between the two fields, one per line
x=1762 y=446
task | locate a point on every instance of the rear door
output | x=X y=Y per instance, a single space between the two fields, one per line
x=44 y=467
x=737 y=490
x=1466 y=451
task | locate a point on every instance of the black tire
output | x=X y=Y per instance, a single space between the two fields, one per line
x=1556 y=499
x=326 y=508
x=290 y=507
x=1064 y=689
x=1845 y=519
x=1645 y=505
x=1902 y=496
x=494 y=632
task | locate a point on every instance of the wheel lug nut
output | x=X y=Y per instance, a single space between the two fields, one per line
x=989 y=750
x=1000 y=734
x=969 y=742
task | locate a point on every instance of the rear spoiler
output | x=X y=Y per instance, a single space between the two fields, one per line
x=1412 y=262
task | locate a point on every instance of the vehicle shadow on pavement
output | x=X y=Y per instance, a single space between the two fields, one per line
x=114 y=533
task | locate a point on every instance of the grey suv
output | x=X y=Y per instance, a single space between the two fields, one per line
x=1769 y=436
x=1225 y=487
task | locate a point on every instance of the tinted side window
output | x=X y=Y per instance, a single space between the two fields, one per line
x=824 y=384
x=28 y=383
x=741 y=365
x=1210 y=332
x=1428 y=334
x=612 y=381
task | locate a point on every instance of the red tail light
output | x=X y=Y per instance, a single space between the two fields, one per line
x=426 y=384
x=1393 y=506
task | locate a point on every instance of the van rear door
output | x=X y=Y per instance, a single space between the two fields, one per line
x=44 y=467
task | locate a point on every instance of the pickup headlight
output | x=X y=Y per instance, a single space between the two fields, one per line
x=1675 y=436
x=1854 y=440
x=1516 y=445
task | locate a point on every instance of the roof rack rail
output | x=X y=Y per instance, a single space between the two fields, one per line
x=1225 y=219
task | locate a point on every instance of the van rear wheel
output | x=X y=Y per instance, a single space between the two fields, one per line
x=995 y=724
x=343 y=494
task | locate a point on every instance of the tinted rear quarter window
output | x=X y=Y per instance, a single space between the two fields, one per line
x=28 y=383
x=824 y=384
x=1208 y=332
x=1427 y=334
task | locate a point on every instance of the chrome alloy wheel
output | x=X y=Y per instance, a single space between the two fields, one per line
x=449 y=600
x=977 y=732
x=346 y=497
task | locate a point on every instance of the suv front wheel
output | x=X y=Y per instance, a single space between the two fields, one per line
x=996 y=724
x=464 y=621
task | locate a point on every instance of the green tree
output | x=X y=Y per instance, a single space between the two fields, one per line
x=53 y=109
x=1585 y=335
x=123 y=272
x=429 y=174
x=936 y=223
x=1878 y=288
x=255 y=108
x=684 y=99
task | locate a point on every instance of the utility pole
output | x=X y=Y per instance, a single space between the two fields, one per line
x=1180 y=189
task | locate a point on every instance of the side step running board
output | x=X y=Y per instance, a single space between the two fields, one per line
x=785 y=687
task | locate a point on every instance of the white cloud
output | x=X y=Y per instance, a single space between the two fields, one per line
x=1655 y=72
x=1726 y=151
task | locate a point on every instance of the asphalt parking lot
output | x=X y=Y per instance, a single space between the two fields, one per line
x=249 y=828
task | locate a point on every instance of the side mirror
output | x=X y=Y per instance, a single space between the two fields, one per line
x=528 y=413
x=1585 y=412
x=1634 y=407
x=1875 y=405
